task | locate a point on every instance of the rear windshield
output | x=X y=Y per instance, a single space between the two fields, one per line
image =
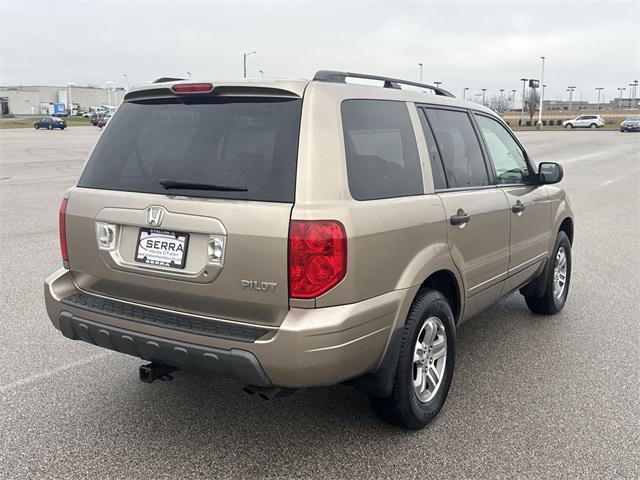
x=244 y=147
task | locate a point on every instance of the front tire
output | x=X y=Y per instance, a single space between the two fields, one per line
x=425 y=364
x=557 y=281
x=568 y=126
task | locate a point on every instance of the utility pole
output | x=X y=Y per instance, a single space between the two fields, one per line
x=570 y=90
x=541 y=95
x=464 y=93
x=599 y=89
x=484 y=91
x=632 y=95
x=635 y=93
x=513 y=99
x=524 y=86
x=420 y=65
x=244 y=58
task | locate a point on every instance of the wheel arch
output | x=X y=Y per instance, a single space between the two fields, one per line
x=446 y=282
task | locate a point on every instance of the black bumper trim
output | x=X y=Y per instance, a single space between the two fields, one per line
x=237 y=364
x=158 y=318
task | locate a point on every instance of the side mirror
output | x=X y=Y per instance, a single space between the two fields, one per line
x=549 y=172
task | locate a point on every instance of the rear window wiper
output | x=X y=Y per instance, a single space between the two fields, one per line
x=171 y=184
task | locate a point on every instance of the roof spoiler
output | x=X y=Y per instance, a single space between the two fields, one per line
x=334 y=76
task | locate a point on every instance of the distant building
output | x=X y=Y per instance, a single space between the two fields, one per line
x=39 y=100
x=616 y=103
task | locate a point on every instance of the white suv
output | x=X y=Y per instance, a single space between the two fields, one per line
x=584 y=121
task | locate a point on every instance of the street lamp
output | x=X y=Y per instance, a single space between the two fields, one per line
x=464 y=93
x=599 y=89
x=620 y=89
x=513 y=99
x=108 y=84
x=437 y=84
x=189 y=74
x=632 y=95
x=524 y=86
x=244 y=57
x=420 y=65
x=69 y=104
x=126 y=78
x=541 y=95
x=261 y=73
x=484 y=92
x=570 y=90
x=635 y=92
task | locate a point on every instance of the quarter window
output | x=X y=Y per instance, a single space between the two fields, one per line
x=507 y=156
x=459 y=148
x=381 y=151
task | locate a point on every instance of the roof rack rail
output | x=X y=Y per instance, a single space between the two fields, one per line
x=167 y=79
x=334 y=76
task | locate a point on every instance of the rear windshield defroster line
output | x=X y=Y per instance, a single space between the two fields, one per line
x=246 y=142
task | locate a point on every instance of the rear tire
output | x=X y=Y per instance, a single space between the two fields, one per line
x=425 y=364
x=49 y=127
x=556 y=287
x=568 y=126
x=593 y=125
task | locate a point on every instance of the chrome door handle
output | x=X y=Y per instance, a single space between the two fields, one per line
x=460 y=218
x=518 y=208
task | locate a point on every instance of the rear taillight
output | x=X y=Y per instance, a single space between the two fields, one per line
x=62 y=225
x=192 y=87
x=317 y=257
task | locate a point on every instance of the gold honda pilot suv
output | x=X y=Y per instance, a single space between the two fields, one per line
x=293 y=234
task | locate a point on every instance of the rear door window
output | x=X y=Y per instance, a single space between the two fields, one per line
x=241 y=147
x=459 y=148
x=381 y=150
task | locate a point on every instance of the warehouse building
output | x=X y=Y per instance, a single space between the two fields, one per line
x=41 y=100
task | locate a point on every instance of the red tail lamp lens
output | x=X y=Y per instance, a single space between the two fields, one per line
x=62 y=226
x=317 y=257
x=192 y=87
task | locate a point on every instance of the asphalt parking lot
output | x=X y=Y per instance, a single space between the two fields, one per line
x=532 y=397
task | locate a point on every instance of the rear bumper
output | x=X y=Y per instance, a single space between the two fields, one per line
x=312 y=347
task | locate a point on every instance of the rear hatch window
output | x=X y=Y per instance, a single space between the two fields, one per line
x=241 y=148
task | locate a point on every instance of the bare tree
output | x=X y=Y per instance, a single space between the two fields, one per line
x=499 y=103
x=531 y=101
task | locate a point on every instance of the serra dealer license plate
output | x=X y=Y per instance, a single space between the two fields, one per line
x=161 y=247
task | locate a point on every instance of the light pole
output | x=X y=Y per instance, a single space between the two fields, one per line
x=420 y=65
x=599 y=89
x=126 y=78
x=484 y=93
x=108 y=84
x=635 y=93
x=189 y=74
x=244 y=57
x=437 y=84
x=620 y=89
x=261 y=74
x=632 y=95
x=464 y=93
x=541 y=95
x=570 y=90
x=69 y=104
x=524 y=86
x=513 y=99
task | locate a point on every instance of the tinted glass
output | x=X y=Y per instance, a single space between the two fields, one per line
x=507 y=156
x=458 y=145
x=247 y=143
x=437 y=170
x=381 y=150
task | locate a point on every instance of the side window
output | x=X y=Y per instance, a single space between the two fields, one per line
x=507 y=156
x=459 y=148
x=437 y=170
x=381 y=150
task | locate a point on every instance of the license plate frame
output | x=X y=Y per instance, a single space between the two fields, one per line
x=160 y=256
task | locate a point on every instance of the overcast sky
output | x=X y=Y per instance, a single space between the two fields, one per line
x=475 y=44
